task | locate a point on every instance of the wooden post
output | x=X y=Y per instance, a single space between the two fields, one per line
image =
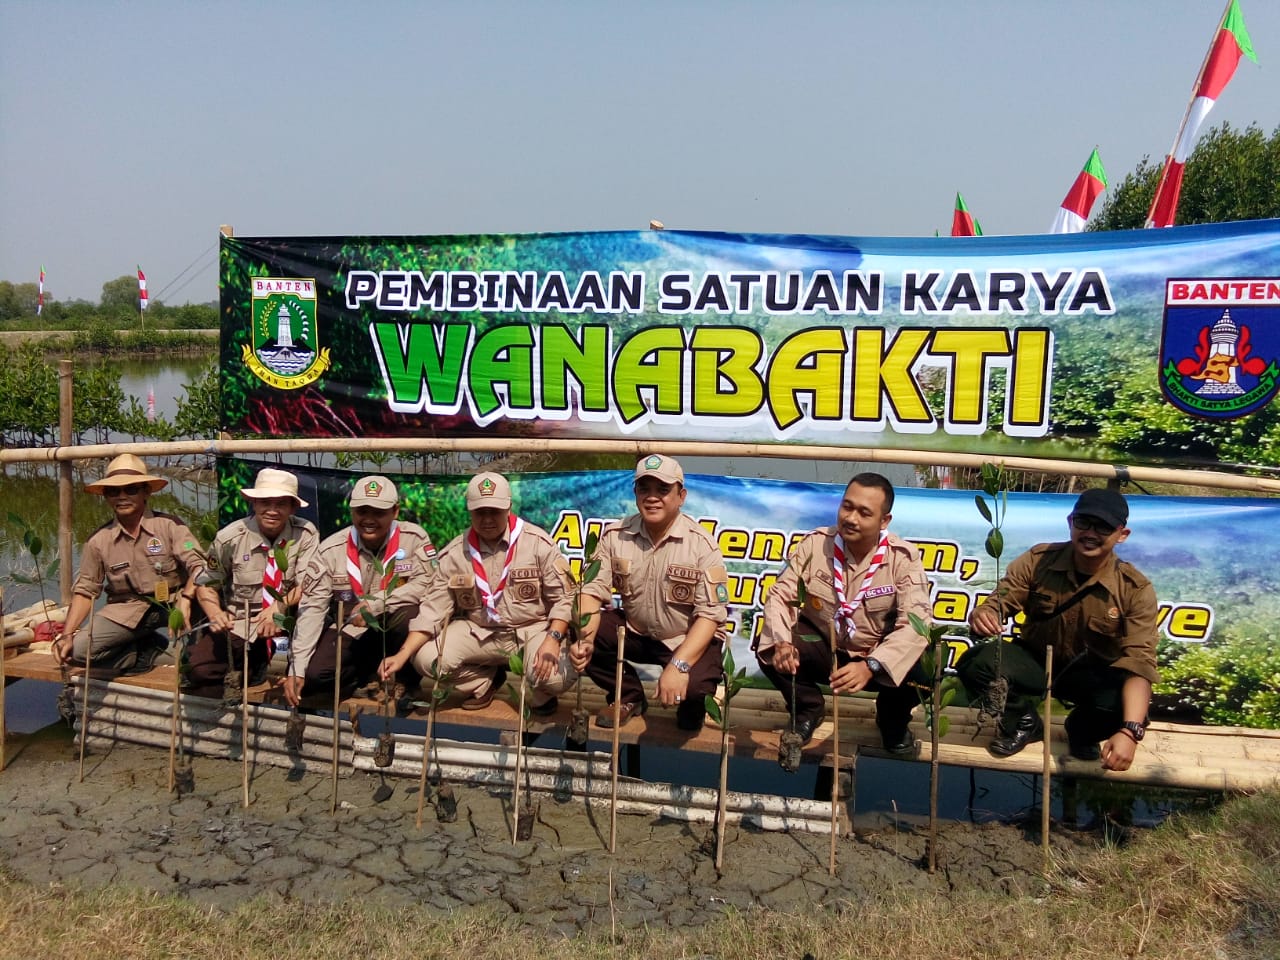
x=337 y=701
x=1048 y=756
x=3 y=727
x=173 y=720
x=835 y=776
x=84 y=701
x=244 y=707
x=617 y=723
x=66 y=491
x=515 y=795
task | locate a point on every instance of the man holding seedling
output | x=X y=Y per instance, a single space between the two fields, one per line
x=253 y=594
x=500 y=588
x=850 y=588
x=375 y=572
x=672 y=580
x=1099 y=614
x=146 y=560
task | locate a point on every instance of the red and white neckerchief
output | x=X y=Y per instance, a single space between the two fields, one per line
x=272 y=578
x=491 y=596
x=844 y=607
x=388 y=560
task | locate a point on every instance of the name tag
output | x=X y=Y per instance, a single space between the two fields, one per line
x=879 y=591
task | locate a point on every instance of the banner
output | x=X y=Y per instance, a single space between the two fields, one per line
x=1143 y=346
x=1214 y=577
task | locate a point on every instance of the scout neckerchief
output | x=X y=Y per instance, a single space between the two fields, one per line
x=388 y=560
x=845 y=608
x=491 y=597
x=272 y=578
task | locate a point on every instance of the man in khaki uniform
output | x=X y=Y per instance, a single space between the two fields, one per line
x=672 y=581
x=145 y=559
x=377 y=569
x=500 y=587
x=862 y=583
x=1099 y=614
x=243 y=558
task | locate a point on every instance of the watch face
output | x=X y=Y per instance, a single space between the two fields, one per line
x=1137 y=729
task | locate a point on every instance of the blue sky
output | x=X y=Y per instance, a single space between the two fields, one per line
x=130 y=130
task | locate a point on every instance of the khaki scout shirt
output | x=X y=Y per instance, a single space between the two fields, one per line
x=1114 y=618
x=664 y=586
x=131 y=567
x=882 y=625
x=239 y=557
x=325 y=583
x=536 y=593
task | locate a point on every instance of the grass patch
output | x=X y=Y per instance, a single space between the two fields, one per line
x=1202 y=885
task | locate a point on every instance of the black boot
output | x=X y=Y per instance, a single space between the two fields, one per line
x=1014 y=736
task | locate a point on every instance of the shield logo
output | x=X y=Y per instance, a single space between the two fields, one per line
x=1220 y=346
x=285 y=351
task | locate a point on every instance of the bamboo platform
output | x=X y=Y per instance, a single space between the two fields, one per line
x=1229 y=759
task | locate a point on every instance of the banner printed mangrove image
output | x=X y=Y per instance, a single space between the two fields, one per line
x=1159 y=347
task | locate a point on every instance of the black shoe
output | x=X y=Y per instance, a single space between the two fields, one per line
x=898 y=743
x=1027 y=730
x=806 y=723
x=258 y=674
x=1079 y=742
x=691 y=714
x=149 y=651
x=547 y=709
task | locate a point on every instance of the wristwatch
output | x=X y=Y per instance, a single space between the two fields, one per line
x=682 y=665
x=555 y=635
x=1136 y=729
x=874 y=666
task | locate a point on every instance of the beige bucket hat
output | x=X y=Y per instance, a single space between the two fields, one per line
x=271 y=482
x=124 y=471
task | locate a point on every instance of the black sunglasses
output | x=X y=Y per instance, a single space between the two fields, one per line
x=132 y=490
x=1084 y=522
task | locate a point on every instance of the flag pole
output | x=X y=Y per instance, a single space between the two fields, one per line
x=1186 y=115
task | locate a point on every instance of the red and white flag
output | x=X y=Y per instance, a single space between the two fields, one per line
x=1229 y=44
x=40 y=295
x=142 y=289
x=1079 y=199
x=962 y=222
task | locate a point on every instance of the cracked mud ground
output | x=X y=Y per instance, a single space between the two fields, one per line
x=121 y=826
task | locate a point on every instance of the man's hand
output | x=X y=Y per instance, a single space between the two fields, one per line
x=220 y=621
x=546 y=660
x=1119 y=751
x=985 y=622
x=786 y=658
x=851 y=678
x=293 y=690
x=580 y=654
x=265 y=622
x=62 y=647
x=673 y=686
x=392 y=665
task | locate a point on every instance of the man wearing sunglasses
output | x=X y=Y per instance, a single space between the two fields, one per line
x=672 y=580
x=1099 y=614
x=145 y=560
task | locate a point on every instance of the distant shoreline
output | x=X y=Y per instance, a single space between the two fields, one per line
x=13 y=338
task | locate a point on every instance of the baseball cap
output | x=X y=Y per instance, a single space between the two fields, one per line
x=374 y=491
x=1104 y=503
x=488 y=490
x=664 y=468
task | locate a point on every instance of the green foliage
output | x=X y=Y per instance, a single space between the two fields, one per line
x=935 y=649
x=735 y=678
x=33 y=543
x=1231 y=175
x=1235 y=683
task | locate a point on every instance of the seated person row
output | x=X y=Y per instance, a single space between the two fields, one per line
x=145 y=560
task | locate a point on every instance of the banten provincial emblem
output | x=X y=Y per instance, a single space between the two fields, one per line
x=285 y=352
x=1220 y=348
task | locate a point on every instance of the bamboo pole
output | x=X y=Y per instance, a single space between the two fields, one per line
x=835 y=777
x=722 y=799
x=225 y=446
x=426 y=758
x=617 y=723
x=84 y=703
x=337 y=701
x=66 y=491
x=515 y=795
x=244 y=708
x=4 y=730
x=1048 y=756
x=173 y=721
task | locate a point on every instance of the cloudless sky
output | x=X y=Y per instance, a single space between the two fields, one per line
x=130 y=130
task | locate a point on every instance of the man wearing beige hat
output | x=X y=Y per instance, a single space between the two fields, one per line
x=672 y=580
x=253 y=593
x=376 y=572
x=501 y=587
x=145 y=560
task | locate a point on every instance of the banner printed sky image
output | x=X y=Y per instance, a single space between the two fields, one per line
x=510 y=118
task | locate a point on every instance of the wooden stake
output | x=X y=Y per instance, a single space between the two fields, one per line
x=4 y=732
x=337 y=700
x=835 y=777
x=84 y=702
x=173 y=720
x=515 y=796
x=617 y=723
x=1048 y=757
x=722 y=801
x=244 y=708
x=426 y=757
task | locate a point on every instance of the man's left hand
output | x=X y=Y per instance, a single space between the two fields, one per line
x=1119 y=751
x=851 y=678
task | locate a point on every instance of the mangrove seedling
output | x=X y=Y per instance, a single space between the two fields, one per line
x=734 y=678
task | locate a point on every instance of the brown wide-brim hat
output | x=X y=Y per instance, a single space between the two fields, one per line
x=126 y=470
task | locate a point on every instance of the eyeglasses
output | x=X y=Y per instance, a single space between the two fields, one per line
x=132 y=490
x=1085 y=522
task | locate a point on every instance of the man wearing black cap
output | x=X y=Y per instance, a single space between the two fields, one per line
x=1098 y=612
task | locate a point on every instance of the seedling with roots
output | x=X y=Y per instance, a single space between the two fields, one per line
x=579 y=726
x=735 y=678
x=441 y=689
x=995 y=484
